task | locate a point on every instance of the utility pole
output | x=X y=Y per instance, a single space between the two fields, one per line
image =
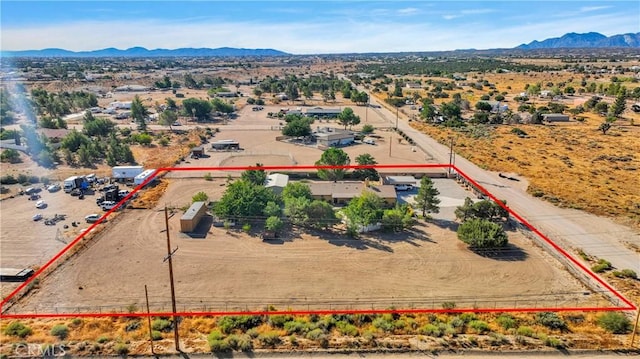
x=390 y=140
x=169 y=257
x=366 y=111
x=635 y=329
x=397 y=109
x=146 y=295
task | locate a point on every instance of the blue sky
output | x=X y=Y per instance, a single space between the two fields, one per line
x=306 y=27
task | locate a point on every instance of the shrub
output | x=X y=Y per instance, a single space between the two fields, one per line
x=245 y=322
x=246 y=227
x=468 y=317
x=479 y=326
x=161 y=325
x=553 y=342
x=60 y=330
x=208 y=177
x=626 y=273
x=269 y=339
x=601 y=266
x=121 y=349
x=448 y=305
x=551 y=320
x=383 y=324
x=279 y=321
x=525 y=331
x=243 y=343
x=102 y=339
x=480 y=233
x=367 y=129
x=616 y=323
x=134 y=325
x=506 y=321
x=430 y=330
x=18 y=329
x=316 y=334
x=218 y=346
x=156 y=335
x=347 y=329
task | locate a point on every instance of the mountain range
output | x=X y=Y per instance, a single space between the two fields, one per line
x=142 y=52
x=570 y=40
x=588 y=40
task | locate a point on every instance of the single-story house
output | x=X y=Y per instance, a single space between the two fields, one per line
x=340 y=193
x=497 y=106
x=226 y=94
x=413 y=85
x=555 y=117
x=320 y=112
x=334 y=138
x=276 y=182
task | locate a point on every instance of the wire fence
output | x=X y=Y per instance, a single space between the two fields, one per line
x=560 y=301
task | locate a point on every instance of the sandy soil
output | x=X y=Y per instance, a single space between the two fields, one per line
x=229 y=271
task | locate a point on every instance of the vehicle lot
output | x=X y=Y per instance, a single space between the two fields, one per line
x=238 y=271
x=27 y=243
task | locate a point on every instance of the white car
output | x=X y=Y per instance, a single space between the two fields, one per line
x=41 y=204
x=92 y=218
x=37 y=217
x=54 y=188
x=107 y=205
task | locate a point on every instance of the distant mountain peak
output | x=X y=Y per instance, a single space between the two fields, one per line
x=138 y=51
x=585 y=40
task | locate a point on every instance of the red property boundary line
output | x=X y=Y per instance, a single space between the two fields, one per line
x=629 y=305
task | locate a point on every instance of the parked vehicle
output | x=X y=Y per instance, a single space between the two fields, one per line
x=75 y=182
x=403 y=187
x=92 y=218
x=37 y=217
x=76 y=192
x=54 y=188
x=32 y=190
x=34 y=197
x=107 y=205
x=41 y=204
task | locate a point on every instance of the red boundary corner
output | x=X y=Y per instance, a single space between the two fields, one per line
x=628 y=304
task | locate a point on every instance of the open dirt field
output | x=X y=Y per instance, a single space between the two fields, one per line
x=238 y=271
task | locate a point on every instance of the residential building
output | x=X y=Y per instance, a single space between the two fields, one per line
x=340 y=193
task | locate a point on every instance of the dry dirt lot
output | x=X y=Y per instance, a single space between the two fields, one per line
x=229 y=271
x=25 y=243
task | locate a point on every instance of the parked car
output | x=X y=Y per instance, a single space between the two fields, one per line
x=107 y=205
x=54 y=188
x=92 y=218
x=37 y=217
x=32 y=190
x=76 y=192
x=34 y=197
x=403 y=187
x=41 y=204
x=176 y=124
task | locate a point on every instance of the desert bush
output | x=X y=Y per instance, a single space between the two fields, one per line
x=102 y=339
x=253 y=333
x=278 y=321
x=269 y=339
x=161 y=325
x=626 y=273
x=316 y=334
x=244 y=322
x=601 y=266
x=551 y=320
x=133 y=325
x=18 y=329
x=479 y=326
x=506 y=321
x=156 y=335
x=121 y=349
x=430 y=330
x=383 y=324
x=468 y=317
x=208 y=177
x=525 y=331
x=616 y=323
x=553 y=342
x=347 y=329
x=498 y=339
x=295 y=326
x=448 y=305
x=60 y=330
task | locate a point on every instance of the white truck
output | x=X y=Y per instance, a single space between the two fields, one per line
x=139 y=179
x=74 y=182
x=124 y=173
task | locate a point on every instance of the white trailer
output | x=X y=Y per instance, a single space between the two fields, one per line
x=139 y=179
x=126 y=172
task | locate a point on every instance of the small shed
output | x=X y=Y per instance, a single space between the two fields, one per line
x=192 y=217
x=276 y=182
x=400 y=180
x=197 y=152
x=334 y=138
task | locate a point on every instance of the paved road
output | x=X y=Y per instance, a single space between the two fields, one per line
x=569 y=228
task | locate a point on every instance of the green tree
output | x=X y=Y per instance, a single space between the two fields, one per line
x=360 y=98
x=363 y=211
x=372 y=174
x=427 y=199
x=255 y=176
x=618 y=106
x=221 y=106
x=73 y=140
x=139 y=113
x=200 y=197
x=199 y=109
x=348 y=118
x=298 y=127
x=10 y=155
x=483 y=106
x=332 y=157
x=272 y=209
x=292 y=91
x=450 y=110
x=171 y=103
x=428 y=111
x=296 y=190
x=482 y=234
x=273 y=224
x=167 y=118
x=604 y=127
x=320 y=214
x=244 y=199
x=397 y=219
x=295 y=208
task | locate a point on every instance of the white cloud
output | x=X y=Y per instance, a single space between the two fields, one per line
x=593 y=8
x=408 y=11
x=451 y=17
x=477 y=11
